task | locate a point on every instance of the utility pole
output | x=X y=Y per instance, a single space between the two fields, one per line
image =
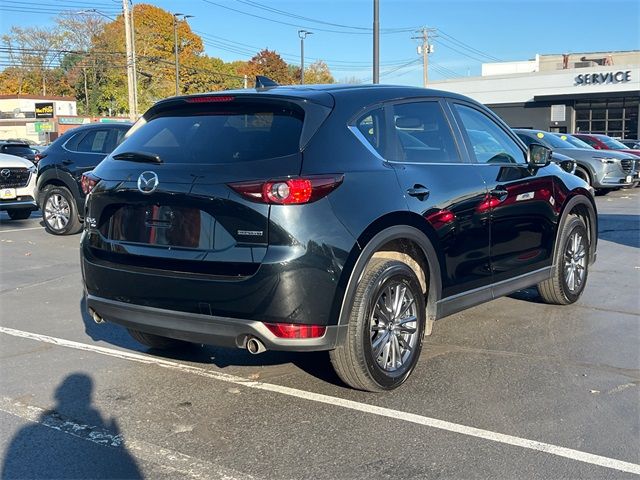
x=425 y=49
x=175 y=47
x=376 y=41
x=130 y=60
x=302 y=34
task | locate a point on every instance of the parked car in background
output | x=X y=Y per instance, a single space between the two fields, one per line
x=60 y=169
x=573 y=140
x=603 y=170
x=19 y=149
x=632 y=143
x=604 y=142
x=339 y=218
x=17 y=186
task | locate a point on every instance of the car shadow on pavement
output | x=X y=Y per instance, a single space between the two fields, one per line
x=314 y=363
x=621 y=229
x=72 y=440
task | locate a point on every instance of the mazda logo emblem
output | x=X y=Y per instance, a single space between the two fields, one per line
x=5 y=172
x=148 y=182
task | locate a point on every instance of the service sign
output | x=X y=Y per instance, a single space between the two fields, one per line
x=44 y=110
x=602 y=78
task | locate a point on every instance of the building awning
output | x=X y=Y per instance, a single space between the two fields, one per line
x=585 y=96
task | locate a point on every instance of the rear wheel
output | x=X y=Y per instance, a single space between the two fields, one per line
x=572 y=265
x=385 y=331
x=21 y=214
x=155 y=341
x=59 y=211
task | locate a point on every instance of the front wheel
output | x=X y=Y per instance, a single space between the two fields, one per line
x=571 y=265
x=386 y=327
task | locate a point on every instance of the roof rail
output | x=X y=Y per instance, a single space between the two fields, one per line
x=265 y=82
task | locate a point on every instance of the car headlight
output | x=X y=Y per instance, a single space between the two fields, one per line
x=608 y=160
x=33 y=168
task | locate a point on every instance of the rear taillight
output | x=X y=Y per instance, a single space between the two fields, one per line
x=290 y=191
x=88 y=181
x=38 y=157
x=293 y=330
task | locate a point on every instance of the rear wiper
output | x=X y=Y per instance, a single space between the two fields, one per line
x=138 y=157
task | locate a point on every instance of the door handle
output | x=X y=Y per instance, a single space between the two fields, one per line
x=499 y=193
x=419 y=191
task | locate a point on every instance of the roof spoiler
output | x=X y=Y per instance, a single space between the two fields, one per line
x=265 y=82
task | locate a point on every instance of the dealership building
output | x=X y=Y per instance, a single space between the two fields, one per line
x=595 y=92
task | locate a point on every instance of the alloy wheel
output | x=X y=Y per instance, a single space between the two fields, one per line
x=393 y=326
x=575 y=260
x=57 y=211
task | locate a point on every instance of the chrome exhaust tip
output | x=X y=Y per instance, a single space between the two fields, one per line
x=96 y=317
x=255 y=346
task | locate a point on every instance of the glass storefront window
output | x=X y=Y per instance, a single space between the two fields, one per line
x=616 y=117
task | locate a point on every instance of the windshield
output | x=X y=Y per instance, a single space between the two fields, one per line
x=545 y=138
x=612 y=143
x=18 y=150
x=575 y=141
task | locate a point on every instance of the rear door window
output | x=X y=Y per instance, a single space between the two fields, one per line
x=220 y=133
x=93 y=141
x=423 y=134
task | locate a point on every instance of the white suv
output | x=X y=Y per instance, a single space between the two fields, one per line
x=17 y=186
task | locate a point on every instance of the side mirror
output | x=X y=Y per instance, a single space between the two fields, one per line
x=538 y=155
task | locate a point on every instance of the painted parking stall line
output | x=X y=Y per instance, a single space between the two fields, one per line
x=20 y=229
x=511 y=440
x=181 y=465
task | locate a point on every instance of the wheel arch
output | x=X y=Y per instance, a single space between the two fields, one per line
x=581 y=204
x=397 y=235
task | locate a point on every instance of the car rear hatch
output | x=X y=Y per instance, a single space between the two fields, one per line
x=163 y=200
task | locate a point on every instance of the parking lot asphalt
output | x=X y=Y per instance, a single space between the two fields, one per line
x=509 y=389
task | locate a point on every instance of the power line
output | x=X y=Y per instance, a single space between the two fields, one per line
x=210 y=2
x=314 y=20
x=468 y=47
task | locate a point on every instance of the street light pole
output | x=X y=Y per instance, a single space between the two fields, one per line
x=175 y=47
x=302 y=34
x=376 y=41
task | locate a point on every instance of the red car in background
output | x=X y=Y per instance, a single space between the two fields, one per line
x=604 y=142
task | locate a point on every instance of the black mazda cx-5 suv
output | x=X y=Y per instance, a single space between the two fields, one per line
x=340 y=218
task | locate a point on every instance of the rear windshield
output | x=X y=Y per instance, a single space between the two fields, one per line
x=228 y=132
x=17 y=150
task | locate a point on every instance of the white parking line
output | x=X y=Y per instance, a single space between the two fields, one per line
x=21 y=229
x=179 y=464
x=551 y=449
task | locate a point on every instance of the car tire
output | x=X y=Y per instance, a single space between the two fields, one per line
x=381 y=348
x=59 y=211
x=572 y=255
x=155 y=341
x=21 y=214
x=583 y=174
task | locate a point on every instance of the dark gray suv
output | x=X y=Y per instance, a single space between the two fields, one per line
x=340 y=218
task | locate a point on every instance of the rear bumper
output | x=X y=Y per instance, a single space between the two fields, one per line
x=206 y=329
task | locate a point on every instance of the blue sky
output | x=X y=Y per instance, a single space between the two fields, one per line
x=501 y=29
